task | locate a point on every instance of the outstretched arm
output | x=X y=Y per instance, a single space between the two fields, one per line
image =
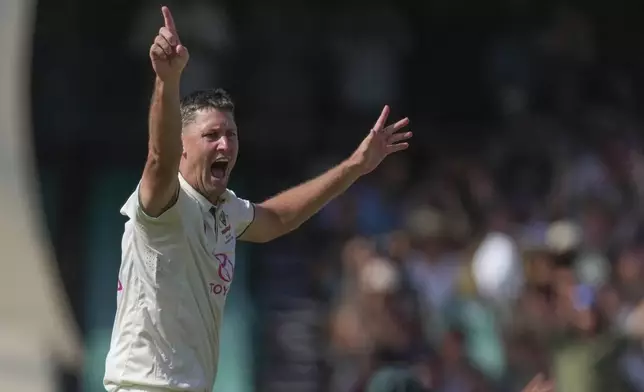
x=159 y=185
x=288 y=210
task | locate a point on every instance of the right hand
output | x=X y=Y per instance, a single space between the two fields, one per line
x=168 y=56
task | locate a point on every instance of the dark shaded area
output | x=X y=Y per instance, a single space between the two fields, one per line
x=506 y=94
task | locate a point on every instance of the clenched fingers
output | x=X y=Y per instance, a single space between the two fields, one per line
x=156 y=51
x=164 y=45
x=169 y=36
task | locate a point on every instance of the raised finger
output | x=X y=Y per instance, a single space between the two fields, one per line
x=169 y=36
x=399 y=137
x=168 y=20
x=392 y=148
x=397 y=126
x=382 y=119
x=163 y=44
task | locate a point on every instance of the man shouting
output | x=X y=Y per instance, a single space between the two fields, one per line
x=178 y=255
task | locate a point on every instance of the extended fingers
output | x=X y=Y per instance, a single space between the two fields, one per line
x=166 y=42
x=168 y=19
x=392 y=148
x=388 y=136
x=399 y=137
x=380 y=124
x=397 y=126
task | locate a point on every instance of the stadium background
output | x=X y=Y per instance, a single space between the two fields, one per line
x=522 y=111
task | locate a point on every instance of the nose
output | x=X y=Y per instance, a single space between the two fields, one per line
x=223 y=143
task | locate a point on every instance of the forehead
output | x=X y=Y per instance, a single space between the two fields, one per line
x=212 y=120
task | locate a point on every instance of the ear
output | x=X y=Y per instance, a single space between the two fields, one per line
x=183 y=145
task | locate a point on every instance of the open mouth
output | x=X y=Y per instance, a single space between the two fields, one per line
x=219 y=169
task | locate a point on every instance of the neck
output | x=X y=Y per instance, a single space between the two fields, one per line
x=193 y=181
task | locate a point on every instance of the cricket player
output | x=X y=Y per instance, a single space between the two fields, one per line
x=178 y=248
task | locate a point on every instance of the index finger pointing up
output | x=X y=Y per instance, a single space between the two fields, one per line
x=167 y=18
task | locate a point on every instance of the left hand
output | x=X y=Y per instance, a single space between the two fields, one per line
x=380 y=142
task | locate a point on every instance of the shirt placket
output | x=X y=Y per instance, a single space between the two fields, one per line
x=213 y=212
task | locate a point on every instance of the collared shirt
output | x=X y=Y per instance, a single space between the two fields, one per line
x=175 y=274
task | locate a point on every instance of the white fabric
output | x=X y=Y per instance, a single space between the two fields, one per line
x=497 y=268
x=175 y=274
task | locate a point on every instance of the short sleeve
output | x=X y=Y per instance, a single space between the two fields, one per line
x=133 y=210
x=242 y=213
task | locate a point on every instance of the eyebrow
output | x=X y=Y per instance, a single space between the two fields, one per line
x=218 y=129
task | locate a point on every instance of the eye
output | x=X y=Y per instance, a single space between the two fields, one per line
x=231 y=134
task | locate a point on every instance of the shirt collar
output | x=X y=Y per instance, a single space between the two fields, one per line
x=204 y=203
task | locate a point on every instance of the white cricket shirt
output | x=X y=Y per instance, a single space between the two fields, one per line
x=175 y=274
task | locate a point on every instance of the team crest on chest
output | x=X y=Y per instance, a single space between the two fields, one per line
x=223 y=218
x=226 y=231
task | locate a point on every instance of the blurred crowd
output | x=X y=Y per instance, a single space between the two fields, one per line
x=507 y=241
x=478 y=266
x=481 y=289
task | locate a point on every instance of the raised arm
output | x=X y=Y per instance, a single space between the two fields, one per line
x=288 y=210
x=159 y=186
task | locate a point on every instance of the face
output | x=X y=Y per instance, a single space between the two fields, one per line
x=628 y=267
x=210 y=149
